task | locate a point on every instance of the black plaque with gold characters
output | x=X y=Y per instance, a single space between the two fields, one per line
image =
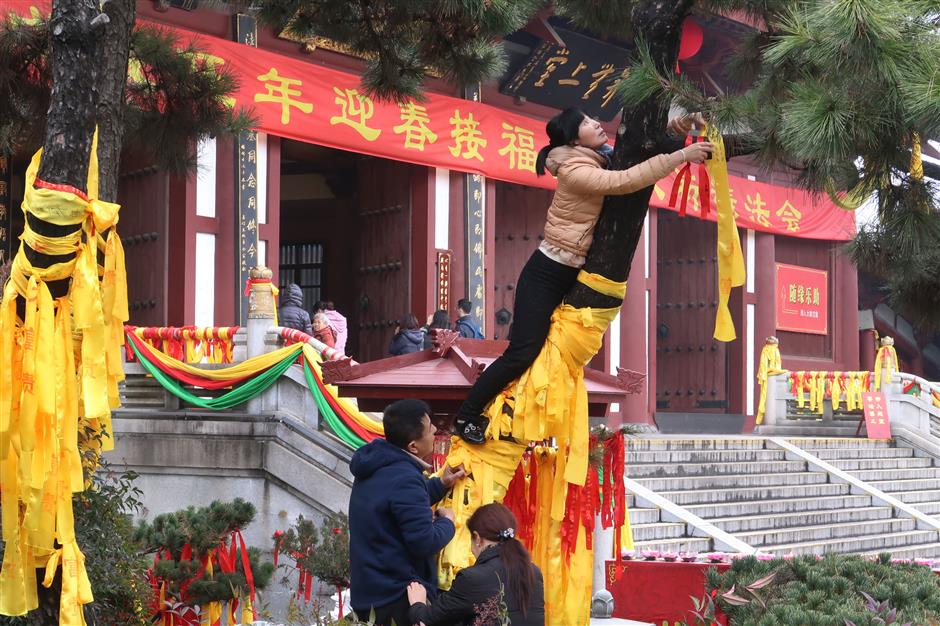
x=246 y=195
x=474 y=228
x=583 y=73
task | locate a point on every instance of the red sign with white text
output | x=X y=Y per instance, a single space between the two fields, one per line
x=311 y=103
x=877 y=421
x=802 y=299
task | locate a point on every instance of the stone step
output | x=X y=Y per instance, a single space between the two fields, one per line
x=679 y=544
x=747 y=523
x=642 y=516
x=722 y=443
x=854 y=545
x=676 y=483
x=801 y=505
x=832 y=443
x=914 y=473
x=930 y=508
x=911 y=484
x=703 y=496
x=828 y=454
x=923 y=551
x=662 y=470
x=905 y=462
x=701 y=456
x=915 y=497
x=808 y=429
x=658 y=531
x=801 y=534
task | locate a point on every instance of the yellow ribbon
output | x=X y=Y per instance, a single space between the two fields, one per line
x=887 y=360
x=731 y=272
x=770 y=363
x=49 y=381
x=917 y=163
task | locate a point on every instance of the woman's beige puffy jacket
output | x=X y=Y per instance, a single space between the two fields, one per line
x=582 y=184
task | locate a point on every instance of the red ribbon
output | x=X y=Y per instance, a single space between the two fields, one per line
x=684 y=181
x=255 y=281
x=41 y=184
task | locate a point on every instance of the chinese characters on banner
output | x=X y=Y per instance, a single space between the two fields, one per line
x=246 y=197
x=877 y=420
x=296 y=99
x=6 y=212
x=802 y=299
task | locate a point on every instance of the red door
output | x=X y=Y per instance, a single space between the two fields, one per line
x=691 y=366
x=143 y=196
x=520 y=220
x=384 y=254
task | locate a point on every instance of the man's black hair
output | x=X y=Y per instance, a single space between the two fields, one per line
x=402 y=421
x=464 y=305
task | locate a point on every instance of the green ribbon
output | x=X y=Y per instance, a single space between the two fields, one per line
x=252 y=388
x=239 y=395
x=342 y=431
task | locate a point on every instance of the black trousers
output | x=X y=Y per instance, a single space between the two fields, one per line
x=394 y=614
x=543 y=284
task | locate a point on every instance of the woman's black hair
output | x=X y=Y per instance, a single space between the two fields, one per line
x=495 y=522
x=441 y=319
x=408 y=322
x=562 y=130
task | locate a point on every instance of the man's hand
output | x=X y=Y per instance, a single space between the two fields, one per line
x=417 y=593
x=450 y=475
x=683 y=124
x=442 y=512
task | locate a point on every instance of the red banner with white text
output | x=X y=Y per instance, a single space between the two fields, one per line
x=300 y=100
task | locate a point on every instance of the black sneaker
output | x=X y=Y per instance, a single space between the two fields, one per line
x=471 y=429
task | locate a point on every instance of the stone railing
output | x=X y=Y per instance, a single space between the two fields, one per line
x=912 y=404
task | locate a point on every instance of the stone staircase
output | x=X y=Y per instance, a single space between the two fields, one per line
x=747 y=488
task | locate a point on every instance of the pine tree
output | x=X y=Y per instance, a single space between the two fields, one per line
x=184 y=543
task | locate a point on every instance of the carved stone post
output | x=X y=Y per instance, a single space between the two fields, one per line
x=261 y=313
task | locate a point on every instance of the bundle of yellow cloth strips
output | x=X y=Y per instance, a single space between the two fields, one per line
x=60 y=364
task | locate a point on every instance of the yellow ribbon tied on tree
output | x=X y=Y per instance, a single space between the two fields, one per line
x=731 y=271
x=59 y=365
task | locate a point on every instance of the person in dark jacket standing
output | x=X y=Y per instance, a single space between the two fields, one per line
x=503 y=566
x=292 y=313
x=408 y=337
x=393 y=535
x=465 y=325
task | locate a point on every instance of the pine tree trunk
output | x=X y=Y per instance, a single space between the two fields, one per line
x=642 y=135
x=114 y=53
x=75 y=28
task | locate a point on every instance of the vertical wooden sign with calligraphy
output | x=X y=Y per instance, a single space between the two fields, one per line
x=474 y=228
x=246 y=193
x=6 y=211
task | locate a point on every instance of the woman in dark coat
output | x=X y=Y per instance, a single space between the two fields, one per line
x=408 y=337
x=503 y=566
x=292 y=313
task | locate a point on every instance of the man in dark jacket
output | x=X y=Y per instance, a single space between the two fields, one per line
x=393 y=534
x=292 y=313
x=465 y=324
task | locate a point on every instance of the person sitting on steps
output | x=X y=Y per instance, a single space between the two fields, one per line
x=578 y=156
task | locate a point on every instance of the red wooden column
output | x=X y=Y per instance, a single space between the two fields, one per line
x=181 y=248
x=638 y=329
x=226 y=249
x=423 y=275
